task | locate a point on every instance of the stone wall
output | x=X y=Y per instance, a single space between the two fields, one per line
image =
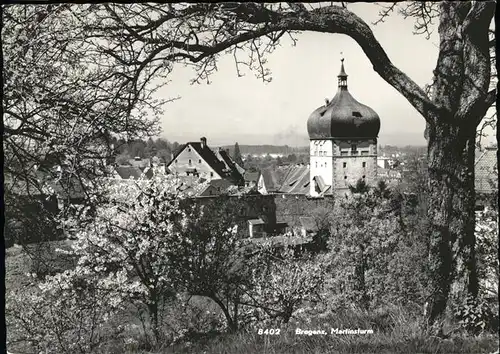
x=271 y=208
x=289 y=207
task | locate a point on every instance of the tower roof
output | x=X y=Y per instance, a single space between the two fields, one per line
x=343 y=116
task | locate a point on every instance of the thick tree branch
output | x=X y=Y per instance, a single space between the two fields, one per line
x=481 y=107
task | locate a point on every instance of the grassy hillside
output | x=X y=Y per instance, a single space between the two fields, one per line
x=395 y=330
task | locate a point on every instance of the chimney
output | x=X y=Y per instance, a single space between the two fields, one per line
x=203 y=142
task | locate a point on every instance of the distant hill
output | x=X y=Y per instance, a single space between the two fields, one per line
x=268 y=149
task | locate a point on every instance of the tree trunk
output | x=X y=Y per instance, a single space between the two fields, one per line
x=452 y=218
x=360 y=278
x=232 y=322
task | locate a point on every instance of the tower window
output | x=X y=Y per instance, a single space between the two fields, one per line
x=344 y=164
x=211 y=174
x=363 y=176
x=345 y=177
x=364 y=164
x=199 y=161
x=190 y=161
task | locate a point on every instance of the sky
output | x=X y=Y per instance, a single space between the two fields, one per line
x=248 y=111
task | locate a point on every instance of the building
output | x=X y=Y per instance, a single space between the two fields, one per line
x=197 y=159
x=385 y=162
x=292 y=179
x=131 y=173
x=343 y=143
x=486 y=172
x=251 y=178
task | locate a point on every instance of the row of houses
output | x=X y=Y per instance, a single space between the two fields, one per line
x=196 y=161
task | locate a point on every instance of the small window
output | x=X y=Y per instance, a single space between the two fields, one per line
x=364 y=164
x=189 y=149
x=199 y=161
x=344 y=164
x=175 y=160
x=211 y=174
x=363 y=176
x=190 y=161
x=316 y=164
x=345 y=177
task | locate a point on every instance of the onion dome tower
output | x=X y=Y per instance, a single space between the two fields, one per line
x=343 y=142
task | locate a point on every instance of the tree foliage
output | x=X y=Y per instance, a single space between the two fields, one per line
x=237 y=155
x=75 y=69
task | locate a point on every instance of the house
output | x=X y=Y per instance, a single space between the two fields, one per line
x=197 y=159
x=391 y=176
x=384 y=162
x=127 y=172
x=291 y=179
x=251 y=178
x=486 y=171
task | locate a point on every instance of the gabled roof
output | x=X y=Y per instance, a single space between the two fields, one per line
x=251 y=176
x=69 y=187
x=486 y=175
x=273 y=177
x=209 y=157
x=219 y=161
x=292 y=179
x=296 y=180
x=63 y=185
x=128 y=172
x=230 y=166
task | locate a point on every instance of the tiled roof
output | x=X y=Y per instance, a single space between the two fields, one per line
x=251 y=176
x=273 y=177
x=296 y=180
x=65 y=186
x=219 y=161
x=128 y=172
x=486 y=176
x=286 y=179
x=230 y=166
x=69 y=189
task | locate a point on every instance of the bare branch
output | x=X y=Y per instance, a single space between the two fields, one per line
x=384 y=13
